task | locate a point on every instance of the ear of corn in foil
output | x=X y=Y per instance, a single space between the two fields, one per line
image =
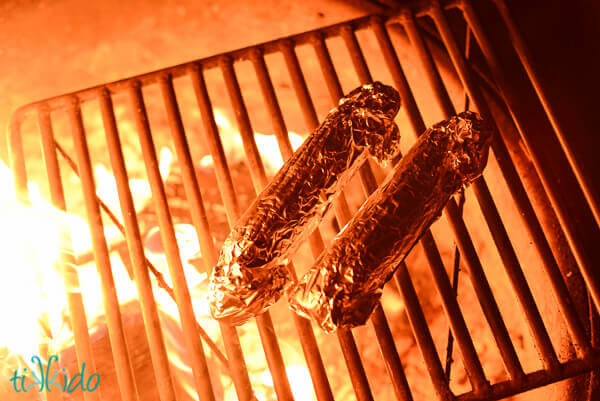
x=346 y=281
x=251 y=273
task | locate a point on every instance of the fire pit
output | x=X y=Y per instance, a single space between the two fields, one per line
x=145 y=172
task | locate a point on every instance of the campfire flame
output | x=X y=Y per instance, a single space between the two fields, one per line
x=29 y=280
x=140 y=189
x=31 y=239
x=269 y=148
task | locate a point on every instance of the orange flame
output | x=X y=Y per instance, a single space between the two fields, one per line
x=29 y=281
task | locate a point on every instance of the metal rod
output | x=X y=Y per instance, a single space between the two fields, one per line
x=303 y=326
x=268 y=91
x=77 y=318
x=215 y=146
x=184 y=303
x=160 y=280
x=367 y=177
x=158 y=352
x=591 y=194
x=516 y=276
x=356 y=55
x=190 y=181
x=327 y=68
x=536 y=379
x=275 y=361
x=116 y=331
x=259 y=179
x=257 y=170
x=563 y=297
x=465 y=244
x=391 y=58
x=347 y=343
x=391 y=358
x=229 y=333
x=487 y=205
x=427 y=63
x=577 y=245
x=421 y=332
x=200 y=220
x=378 y=319
x=17 y=161
x=451 y=307
x=455 y=317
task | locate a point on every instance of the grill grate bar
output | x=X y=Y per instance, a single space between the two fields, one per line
x=255 y=165
x=346 y=339
x=109 y=294
x=259 y=179
x=331 y=79
x=378 y=318
x=367 y=178
x=238 y=370
x=564 y=299
x=443 y=285
x=533 y=380
x=224 y=180
x=303 y=326
x=442 y=97
x=182 y=294
x=577 y=245
x=17 y=161
x=149 y=309
x=83 y=347
x=356 y=55
x=524 y=55
x=197 y=211
x=391 y=58
x=422 y=333
x=490 y=211
x=390 y=355
x=465 y=244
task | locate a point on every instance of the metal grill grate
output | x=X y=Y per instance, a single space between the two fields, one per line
x=504 y=149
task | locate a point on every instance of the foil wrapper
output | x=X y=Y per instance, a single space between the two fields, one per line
x=346 y=281
x=251 y=273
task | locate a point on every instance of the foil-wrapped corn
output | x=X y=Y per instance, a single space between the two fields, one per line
x=251 y=273
x=346 y=281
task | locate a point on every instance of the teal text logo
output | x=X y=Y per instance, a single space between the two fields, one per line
x=22 y=382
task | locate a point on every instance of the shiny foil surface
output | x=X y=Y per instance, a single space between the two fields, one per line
x=346 y=281
x=251 y=273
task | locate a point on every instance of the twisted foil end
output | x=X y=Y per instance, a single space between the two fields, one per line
x=256 y=288
x=372 y=109
x=377 y=97
x=469 y=138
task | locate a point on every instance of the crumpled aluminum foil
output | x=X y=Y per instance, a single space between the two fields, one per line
x=251 y=273
x=346 y=281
